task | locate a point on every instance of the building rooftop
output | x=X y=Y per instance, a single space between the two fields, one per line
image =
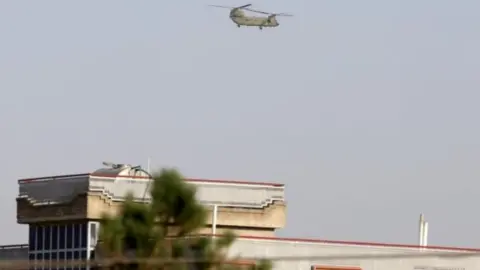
x=360 y=244
x=116 y=174
x=287 y=240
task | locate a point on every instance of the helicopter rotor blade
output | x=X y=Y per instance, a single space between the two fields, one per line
x=240 y=7
x=220 y=6
x=244 y=6
x=283 y=14
x=257 y=11
x=268 y=13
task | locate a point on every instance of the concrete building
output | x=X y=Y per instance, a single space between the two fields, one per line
x=62 y=213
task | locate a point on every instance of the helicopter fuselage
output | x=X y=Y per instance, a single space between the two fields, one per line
x=240 y=19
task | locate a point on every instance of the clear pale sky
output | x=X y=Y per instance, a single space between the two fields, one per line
x=368 y=111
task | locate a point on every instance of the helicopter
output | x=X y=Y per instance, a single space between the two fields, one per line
x=237 y=15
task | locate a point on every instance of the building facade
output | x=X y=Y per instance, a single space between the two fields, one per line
x=63 y=214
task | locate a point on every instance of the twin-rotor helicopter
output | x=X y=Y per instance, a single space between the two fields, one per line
x=237 y=15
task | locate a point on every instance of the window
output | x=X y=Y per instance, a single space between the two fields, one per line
x=32 y=235
x=84 y=235
x=46 y=257
x=47 y=237
x=61 y=260
x=69 y=235
x=76 y=235
x=76 y=257
x=54 y=237
x=31 y=258
x=69 y=259
x=39 y=237
x=54 y=261
x=39 y=261
x=54 y=258
x=61 y=236
x=93 y=234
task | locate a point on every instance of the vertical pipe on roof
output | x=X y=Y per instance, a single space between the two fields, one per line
x=425 y=234
x=421 y=230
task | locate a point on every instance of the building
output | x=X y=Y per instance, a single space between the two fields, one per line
x=62 y=213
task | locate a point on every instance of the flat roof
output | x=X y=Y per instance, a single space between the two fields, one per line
x=321 y=241
x=17 y=246
x=354 y=243
x=193 y=180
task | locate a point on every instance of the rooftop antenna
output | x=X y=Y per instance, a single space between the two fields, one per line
x=148 y=165
x=422 y=231
x=149 y=180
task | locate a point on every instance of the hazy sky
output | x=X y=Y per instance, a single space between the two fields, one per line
x=366 y=110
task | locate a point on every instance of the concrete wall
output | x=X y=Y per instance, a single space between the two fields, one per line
x=264 y=247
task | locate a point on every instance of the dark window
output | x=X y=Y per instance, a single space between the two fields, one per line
x=54 y=261
x=47 y=239
x=31 y=237
x=69 y=259
x=76 y=235
x=39 y=260
x=61 y=236
x=76 y=257
x=31 y=257
x=69 y=236
x=84 y=235
x=39 y=237
x=61 y=260
x=54 y=237
x=46 y=258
